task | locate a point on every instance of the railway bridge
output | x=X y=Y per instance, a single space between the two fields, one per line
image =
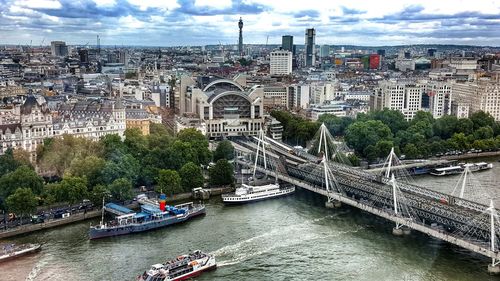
x=466 y=223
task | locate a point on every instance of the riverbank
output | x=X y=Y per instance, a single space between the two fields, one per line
x=77 y=217
x=471 y=155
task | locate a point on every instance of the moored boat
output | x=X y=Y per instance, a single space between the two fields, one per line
x=12 y=251
x=453 y=170
x=150 y=217
x=181 y=268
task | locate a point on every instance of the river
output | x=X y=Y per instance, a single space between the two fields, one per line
x=293 y=238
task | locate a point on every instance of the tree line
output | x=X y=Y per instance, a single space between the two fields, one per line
x=372 y=135
x=70 y=169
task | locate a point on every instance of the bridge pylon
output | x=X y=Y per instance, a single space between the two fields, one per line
x=400 y=228
x=494 y=267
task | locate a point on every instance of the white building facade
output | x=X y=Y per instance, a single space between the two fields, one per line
x=280 y=62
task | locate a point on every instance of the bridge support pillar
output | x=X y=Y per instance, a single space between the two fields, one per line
x=494 y=269
x=406 y=230
x=333 y=204
x=397 y=231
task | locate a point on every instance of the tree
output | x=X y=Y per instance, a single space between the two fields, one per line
x=135 y=142
x=482 y=119
x=8 y=163
x=22 y=202
x=121 y=189
x=361 y=134
x=410 y=151
x=22 y=177
x=74 y=189
x=224 y=150
x=90 y=167
x=121 y=166
x=99 y=192
x=422 y=116
x=191 y=176
x=221 y=173
x=445 y=126
x=394 y=119
x=112 y=146
x=60 y=152
x=198 y=142
x=384 y=148
x=169 y=182
x=485 y=132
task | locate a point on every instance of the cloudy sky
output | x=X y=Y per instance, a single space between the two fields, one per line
x=201 y=22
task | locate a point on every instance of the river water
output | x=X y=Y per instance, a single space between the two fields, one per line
x=293 y=238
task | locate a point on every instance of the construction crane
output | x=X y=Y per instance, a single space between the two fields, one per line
x=41 y=44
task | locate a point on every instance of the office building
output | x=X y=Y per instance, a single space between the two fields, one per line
x=309 y=45
x=280 y=62
x=287 y=43
x=404 y=96
x=58 y=48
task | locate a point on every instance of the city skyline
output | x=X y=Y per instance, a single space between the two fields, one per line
x=202 y=22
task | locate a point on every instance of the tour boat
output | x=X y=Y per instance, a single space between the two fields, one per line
x=453 y=170
x=247 y=193
x=181 y=268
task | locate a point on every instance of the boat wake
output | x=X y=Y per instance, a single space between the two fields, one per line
x=35 y=271
x=267 y=242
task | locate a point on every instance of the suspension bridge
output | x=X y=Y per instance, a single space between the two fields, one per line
x=465 y=222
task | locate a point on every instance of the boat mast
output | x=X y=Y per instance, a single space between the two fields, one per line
x=102 y=215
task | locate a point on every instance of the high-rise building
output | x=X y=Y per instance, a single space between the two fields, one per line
x=287 y=43
x=324 y=51
x=309 y=44
x=280 y=62
x=84 y=55
x=431 y=52
x=58 y=48
x=381 y=52
x=240 y=39
x=374 y=61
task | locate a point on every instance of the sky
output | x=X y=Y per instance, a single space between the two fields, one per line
x=203 y=22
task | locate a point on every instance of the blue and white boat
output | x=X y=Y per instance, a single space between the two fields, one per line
x=150 y=217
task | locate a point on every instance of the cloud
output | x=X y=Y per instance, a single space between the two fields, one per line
x=199 y=22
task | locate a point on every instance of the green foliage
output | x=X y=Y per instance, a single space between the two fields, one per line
x=22 y=202
x=482 y=119
x=296 y=130
x=90 y=167
x=198 y=142
x=99 y=192
x=60 y=152
x=120 y=189
x=8 y=163
x=191 y=176
x=224 y=150
x=362 y=134
x=22 y=177
x=411 y=151
x=121 y=166
x=73 y=189
x=394 y=119
x=221 y=173
x=169 y=182
x=336 y=125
